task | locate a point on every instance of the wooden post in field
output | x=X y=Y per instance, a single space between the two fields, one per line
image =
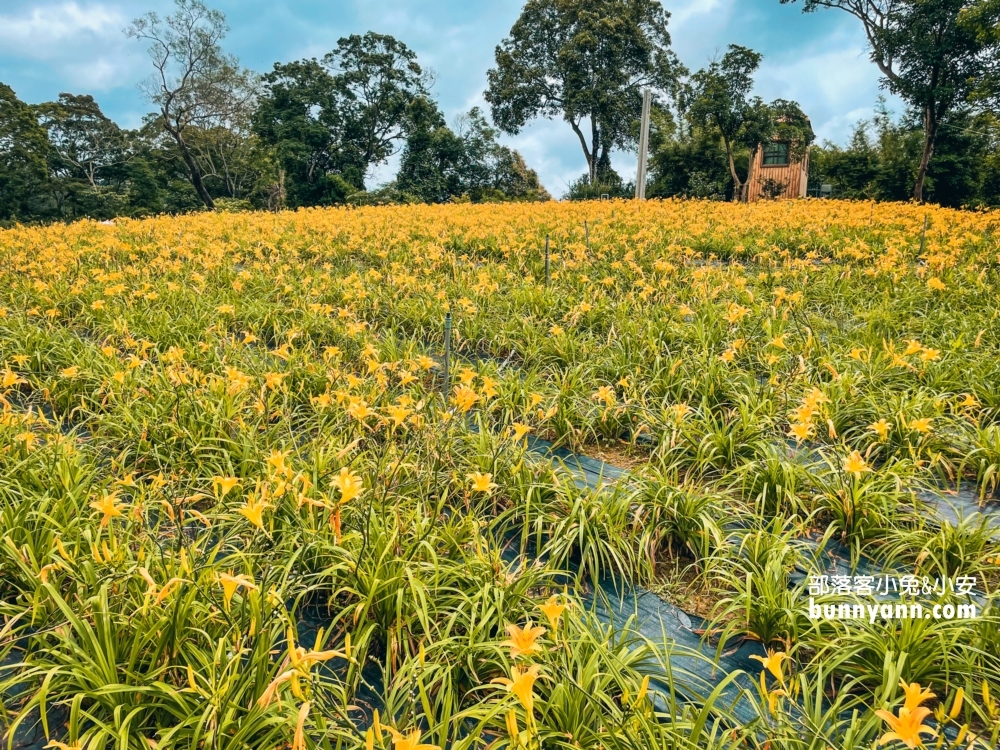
x=447 y=351
x=640 y=176
x=546 y=260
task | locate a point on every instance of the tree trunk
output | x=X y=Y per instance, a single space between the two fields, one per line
x=595 y=142
x=737 y=185
x=194 y=172
x=930 y=135
x=196 y=180
x=586 y=152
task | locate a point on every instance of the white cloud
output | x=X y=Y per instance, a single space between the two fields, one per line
x=836 y=85
x=681 y=13
x=698 y=29
x=839 y=127
x=82 y=43
x=553 y=151
x=42 y=31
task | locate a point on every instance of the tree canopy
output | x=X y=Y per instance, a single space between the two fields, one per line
x=195 y=83
x=586 y=61
x=718 y=99
x=24 y=150
x=934 y=54
x=331 y=122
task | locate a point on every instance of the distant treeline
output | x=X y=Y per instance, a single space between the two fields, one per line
x=314 y=132
x=879 y=162
x=308 y=133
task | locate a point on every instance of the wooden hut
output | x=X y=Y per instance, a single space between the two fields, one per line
x=778 y=171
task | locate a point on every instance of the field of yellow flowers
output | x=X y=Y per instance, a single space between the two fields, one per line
x=242 y=507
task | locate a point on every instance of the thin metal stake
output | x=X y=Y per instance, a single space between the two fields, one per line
x=923 y=236
x=546 y=260
x=447 y=351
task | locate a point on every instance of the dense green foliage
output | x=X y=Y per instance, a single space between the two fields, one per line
x=935 y=54
x=587 y=62
x=310 y=132
x=881 y=160
x=240 y=507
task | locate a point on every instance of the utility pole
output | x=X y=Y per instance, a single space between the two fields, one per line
x=640 y=176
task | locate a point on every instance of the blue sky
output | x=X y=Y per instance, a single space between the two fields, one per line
x=817 y=59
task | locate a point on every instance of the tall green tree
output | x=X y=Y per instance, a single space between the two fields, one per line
x=24 y=150
x=195 y=84
x=882 y=157
x=689 y=162
x=468 y=163
x=378 y=82
x=513 y=180
x=299 y=118
x=87 y=159
x=430 y=169
x=331 y=122
x=85 y=142
x=235 y=164
x=934 y=54
x=718 y=99
x=984 y=20
x=491 y=171
x=586 y=61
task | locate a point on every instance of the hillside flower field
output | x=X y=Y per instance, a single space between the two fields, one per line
x=241 y=506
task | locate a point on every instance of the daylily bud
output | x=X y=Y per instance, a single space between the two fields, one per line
x=957 y=705
x=643 y=689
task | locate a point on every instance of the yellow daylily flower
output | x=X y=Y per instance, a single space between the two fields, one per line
x=482 y=482
x=464 y=398
x=520 y=430
x=881 y=428
x=108 y=507
x=800 y=431
x=409 y=741
x=349 y=484
x=553 y=610
x=299 y=738
x=524 y=641
x=915 y=694
x=772 y=663
x=10 y=379
x=253 y=511
x=231 y=582
x=225 y=484
x=521 y=684
x=273 y=380
x=606 y=394
x=907 y=727
x=855 y=464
